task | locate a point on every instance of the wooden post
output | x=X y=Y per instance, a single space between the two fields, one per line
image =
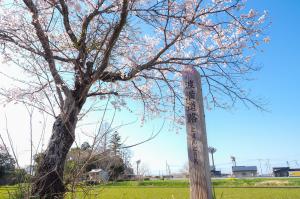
x=199 y=170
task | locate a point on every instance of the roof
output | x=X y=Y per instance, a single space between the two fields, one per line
x=281 y=168
x=95 y=171
x=295 y=169
x=244 y=168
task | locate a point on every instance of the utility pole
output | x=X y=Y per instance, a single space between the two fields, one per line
x=260 y=166
x=212 y=150
x=233 y=159
x=137 y=167
x=168 y=170
x=268 y=165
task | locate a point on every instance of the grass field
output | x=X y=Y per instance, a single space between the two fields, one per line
x=260 y=189
x=183 y=193
x=226 y=182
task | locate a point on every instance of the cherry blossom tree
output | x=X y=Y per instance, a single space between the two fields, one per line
x=77 y=53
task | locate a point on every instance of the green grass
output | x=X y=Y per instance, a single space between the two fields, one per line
x=5 y=190
x=226 y=182
x=178 y=189
x=183 y=193
x=11 y=192
x=151 y=183
x=257 y=182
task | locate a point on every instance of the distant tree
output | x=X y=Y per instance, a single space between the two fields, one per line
x=7 y=163
x=78 y=157
x=128 y=170
x=20 y=176
x=7 y=167
x=37 y=160
x=80 y=161
x=115 y=143
x=126 y=155
x=116 y=167
x=85 y=146
x=212 y=150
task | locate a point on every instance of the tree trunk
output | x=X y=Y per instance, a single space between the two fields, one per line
x=48 y=181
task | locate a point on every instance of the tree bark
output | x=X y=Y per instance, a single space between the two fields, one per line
x=48 y=182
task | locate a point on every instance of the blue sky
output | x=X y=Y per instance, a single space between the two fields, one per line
x=247 y=134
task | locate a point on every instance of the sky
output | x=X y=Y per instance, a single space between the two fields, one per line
x=252 y=136
x=263 y=139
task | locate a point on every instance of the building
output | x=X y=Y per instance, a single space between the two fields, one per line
x=281 y=171
x=98 y=175
x=214 y=172
x=244 y=171
x=294 y=172
x=286 y=172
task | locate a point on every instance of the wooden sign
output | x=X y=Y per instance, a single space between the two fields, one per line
x=199 y=170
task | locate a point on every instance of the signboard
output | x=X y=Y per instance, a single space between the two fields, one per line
x=200 y=183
